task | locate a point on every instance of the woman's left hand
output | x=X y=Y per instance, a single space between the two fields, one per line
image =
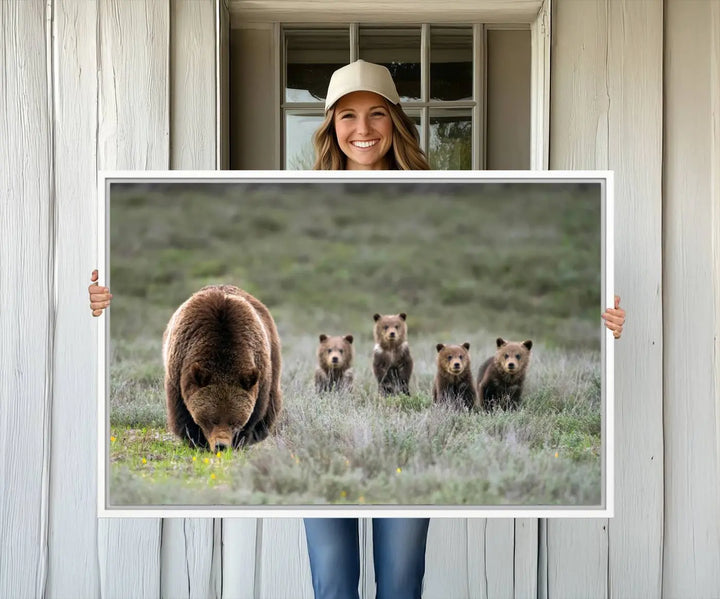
x=615 y=318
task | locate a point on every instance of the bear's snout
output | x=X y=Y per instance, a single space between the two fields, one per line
x=392 y=334
x=511 y=366
x=335 y=360
x=456 y=366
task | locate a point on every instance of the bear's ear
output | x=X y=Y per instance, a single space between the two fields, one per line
x=439 y=347
x=248 y=381
x=466 y=345
x=500 y=341
x=403 y=315
x=349 y=338
x=528 y=344
x=376 y=317
x=199 y=376
x=323 y=337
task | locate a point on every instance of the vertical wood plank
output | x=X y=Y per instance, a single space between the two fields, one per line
x=692 y=150
x=188 y=553
x=448 y=551
x=133 y=131
x=500 y=557
x=192 y=85
x=606 y=113
x=239 y=562
x=526 y=557
x=191 y=555
x=576 y=557
x=73 y=484
x=635 y=89
x=27 y=312
x=283 y=571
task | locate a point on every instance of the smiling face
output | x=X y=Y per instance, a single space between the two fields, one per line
x=364 y=130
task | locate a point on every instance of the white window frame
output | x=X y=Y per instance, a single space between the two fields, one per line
x=532 y=13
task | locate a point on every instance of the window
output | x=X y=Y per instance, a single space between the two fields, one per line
x=469 y=89
x=439 y=72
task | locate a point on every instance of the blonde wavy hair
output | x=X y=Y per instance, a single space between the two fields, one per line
x=405 y=153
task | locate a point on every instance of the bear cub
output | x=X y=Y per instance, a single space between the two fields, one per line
x=453 y=382
x=335 y=357
x=392 y=363
x=501 y=378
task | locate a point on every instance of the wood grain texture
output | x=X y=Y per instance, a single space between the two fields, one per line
x=283 y=569
x=188 y=553
x=635 y=89
x=607 y=114
x=447 y=559
x=129 y=557
x=577 y=550
x=525 y=579
x=370 y=11
x=73 y=484
x=27 y=302
x=692 y=464
x=240 y=540
x=192 y=84
x=133 y=132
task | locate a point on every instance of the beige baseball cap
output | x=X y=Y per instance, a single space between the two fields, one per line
x=361 y=76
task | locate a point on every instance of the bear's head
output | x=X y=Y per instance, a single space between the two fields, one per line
x=335 y=353
x=453 y=359
x=390 y=330
x=512 y=357
x=220 y=405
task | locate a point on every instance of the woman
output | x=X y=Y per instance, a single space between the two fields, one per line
x=365 y=129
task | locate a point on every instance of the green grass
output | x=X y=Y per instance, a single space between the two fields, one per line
x=466 y=264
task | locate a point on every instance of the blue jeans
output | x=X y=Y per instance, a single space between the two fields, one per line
x=398 y=553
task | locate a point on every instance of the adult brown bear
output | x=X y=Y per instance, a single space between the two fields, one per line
x=221 y=353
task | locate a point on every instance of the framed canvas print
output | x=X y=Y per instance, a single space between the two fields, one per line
x=356 y=344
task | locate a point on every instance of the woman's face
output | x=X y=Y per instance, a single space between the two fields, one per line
x=364 y=130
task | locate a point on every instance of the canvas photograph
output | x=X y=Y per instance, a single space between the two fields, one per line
x=323 y=343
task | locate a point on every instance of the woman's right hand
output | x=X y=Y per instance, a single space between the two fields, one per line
x=99 y=296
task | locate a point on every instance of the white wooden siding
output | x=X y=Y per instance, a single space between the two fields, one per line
x=691 y=560
x=89 y=86
x=27 y=211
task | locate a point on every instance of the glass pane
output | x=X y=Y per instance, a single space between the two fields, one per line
x=312 y=56
x=399 y=50
x=450 y=139
x=299 y=152
x=451 y=63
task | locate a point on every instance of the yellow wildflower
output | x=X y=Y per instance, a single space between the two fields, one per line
x=112 y=439
x=556 y=454
x=144 y=461
x=212 y=476
x=399 y=470
x=194 y=458
x=207 y=460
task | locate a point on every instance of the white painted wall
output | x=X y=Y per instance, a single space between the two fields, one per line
x=88 y=86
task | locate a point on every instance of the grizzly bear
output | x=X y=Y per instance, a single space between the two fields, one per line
x=392 y=363
x=335 y=357
x=500 y=378
x=453 y=382
x=221 y=353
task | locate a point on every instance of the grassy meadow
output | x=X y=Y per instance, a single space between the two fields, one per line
x=466 y=263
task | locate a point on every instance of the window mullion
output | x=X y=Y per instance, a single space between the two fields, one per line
x=354 y=42
x=478 y=113
x=425 y=86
